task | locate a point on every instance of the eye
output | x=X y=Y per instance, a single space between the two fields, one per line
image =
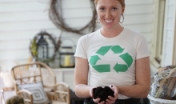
x=102 y=8
x=114 y=8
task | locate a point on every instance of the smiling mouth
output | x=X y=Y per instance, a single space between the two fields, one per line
x=108 y=21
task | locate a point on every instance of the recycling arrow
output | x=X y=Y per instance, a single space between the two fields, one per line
x=106 y=67
x=117 y=49
x=121 y=67
x=94 y=59
x=102 y=68
x=127 y=58
x=99 y=68
x=103 y=50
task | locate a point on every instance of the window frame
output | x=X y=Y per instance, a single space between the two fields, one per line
x=174 y=46
x=157 y=39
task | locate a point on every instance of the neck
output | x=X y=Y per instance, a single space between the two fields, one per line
x=111 y=32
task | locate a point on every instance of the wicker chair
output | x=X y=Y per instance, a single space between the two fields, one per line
x=57 y=93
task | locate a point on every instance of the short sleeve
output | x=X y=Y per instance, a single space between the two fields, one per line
x=81 y=49
x=141 y=47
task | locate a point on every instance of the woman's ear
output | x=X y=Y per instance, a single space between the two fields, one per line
x=123 y=10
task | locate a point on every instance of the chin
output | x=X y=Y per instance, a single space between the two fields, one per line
x=108 y=27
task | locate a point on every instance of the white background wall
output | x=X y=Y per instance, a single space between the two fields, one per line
x=21 y=20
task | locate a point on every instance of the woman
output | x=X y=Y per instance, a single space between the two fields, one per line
x=112 y=56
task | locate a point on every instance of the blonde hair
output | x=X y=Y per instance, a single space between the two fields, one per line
x=122 y=2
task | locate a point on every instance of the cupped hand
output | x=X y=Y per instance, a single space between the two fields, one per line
x=97 y=100
x=111 y=99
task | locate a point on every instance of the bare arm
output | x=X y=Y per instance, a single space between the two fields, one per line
x=81 y=78
x=142 y=86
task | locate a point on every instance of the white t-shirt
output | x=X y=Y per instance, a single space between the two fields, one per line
x=112 y=60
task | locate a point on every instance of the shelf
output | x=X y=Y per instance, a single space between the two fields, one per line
x=63 y=69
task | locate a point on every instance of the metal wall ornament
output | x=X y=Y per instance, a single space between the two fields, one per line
x=39 y=47
x=42 y=49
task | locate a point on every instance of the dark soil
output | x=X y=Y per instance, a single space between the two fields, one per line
x=102 y=93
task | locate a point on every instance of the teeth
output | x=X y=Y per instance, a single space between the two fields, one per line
x=108 y=21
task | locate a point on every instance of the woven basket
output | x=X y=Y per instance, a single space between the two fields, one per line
x=160 y=101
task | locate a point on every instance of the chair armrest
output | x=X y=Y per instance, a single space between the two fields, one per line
x=24 y=91
x=64 y=91
x=59 y=86
x=49 y=86
x=63 y=84
x=26 y=95
x=59 y=92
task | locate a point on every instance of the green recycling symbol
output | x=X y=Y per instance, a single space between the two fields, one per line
x=106 y=67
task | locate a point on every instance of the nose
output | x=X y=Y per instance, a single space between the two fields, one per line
x=108 y=14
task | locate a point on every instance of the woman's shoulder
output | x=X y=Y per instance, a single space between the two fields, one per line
x=88 y=35
x=134 y=33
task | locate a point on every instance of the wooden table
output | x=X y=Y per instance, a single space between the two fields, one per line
x=3 y=90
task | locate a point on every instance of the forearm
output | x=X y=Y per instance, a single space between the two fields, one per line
x=142 y=84
x=134 y=91
x=82 y=90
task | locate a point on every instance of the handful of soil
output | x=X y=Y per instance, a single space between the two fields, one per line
x=102 y=93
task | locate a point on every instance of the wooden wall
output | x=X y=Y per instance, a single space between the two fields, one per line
x=21 y=20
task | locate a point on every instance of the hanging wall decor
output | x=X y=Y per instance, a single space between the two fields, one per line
x=39 y=47
x=42 y=49
x=56 y=16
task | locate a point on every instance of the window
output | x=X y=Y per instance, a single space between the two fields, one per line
x=157 y=39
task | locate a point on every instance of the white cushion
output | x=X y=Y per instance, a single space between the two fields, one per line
x=38 y=93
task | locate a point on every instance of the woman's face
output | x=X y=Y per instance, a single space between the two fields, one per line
x=109 y=13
